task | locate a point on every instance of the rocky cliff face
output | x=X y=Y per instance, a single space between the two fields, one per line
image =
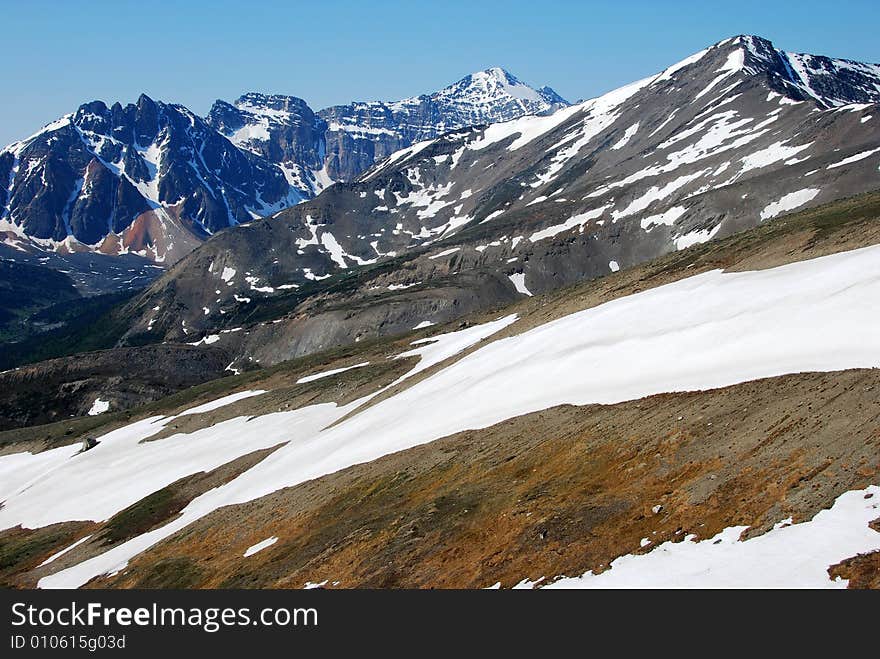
x=282 y=129
x=148 y=178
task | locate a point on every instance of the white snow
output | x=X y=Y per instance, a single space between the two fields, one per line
x=696 y=237
x=445 y=252
x=855 y=158
x=400 y=155
x=789 y=202
x=519 y=283
x=260 y=546
x=99 y=407
x=527 y=128
x=438 y=348
x=492 y=215
x=788 y=556
x=206 y=340
x=600 y=113
x=773 y=153
x=424 y=324
x=655 y=193
x=222 y=402
x=287 y=465
x=733 y=64
x=667 y=217
x=227 y=274
x=614 y=266
x=711 y=330
x=579 y=220
x=334 y=248
x=61 y=553
x=627 y=136
x=324 y=374
x=258 y=132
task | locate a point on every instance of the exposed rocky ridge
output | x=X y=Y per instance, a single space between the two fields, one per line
x=360 y=134
x=715 y=144
x=281 y=129
x=338 y=143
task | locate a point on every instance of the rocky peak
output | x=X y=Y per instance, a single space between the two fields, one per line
x=827 y=81
x=257 y=102
x=494 y=89
x=282 y=129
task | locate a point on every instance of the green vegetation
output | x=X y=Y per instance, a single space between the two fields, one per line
x=92 y=323
x=25 y=547
x=142 y=516
x=178 y=572
x=25 y=290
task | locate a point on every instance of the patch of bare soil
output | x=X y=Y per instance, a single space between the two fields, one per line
x=862 y=571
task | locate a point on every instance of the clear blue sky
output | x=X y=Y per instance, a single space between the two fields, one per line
x=59 y=54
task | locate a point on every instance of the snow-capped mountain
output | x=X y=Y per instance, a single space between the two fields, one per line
x=360 y=134
x=148 y=178
x=281 y=129
x=629 y=343
x=340 y=142
x=721 y=141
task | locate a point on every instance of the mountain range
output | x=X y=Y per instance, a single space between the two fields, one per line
x=154 y=179
x=722 y=141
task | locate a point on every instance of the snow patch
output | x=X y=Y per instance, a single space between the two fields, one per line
x=519 y=283
x=99 y=407
x=260 y=546
x=788 y=556
x=789 y=202
x=324 y=374
x=855 y=158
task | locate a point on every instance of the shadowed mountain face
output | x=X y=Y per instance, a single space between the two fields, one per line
x=731 y=137
x=150 y=178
